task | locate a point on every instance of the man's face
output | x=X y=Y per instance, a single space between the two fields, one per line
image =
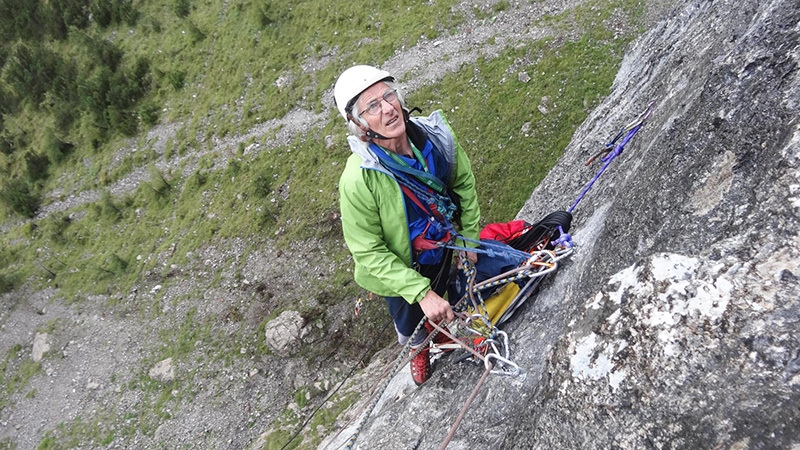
x=388 y=119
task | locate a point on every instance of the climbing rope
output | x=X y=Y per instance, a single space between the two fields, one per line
x=614 y=148
x=400 y=361
x=474 y=332
x=464 y=409
x=341 y=384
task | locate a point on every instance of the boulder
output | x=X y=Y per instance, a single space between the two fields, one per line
x=40 y=347
x=283 y=334
x=163 y=371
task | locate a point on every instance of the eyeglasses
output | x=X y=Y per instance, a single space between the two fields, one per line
x=373 y=108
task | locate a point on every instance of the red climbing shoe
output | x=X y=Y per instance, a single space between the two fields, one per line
x=421 y=366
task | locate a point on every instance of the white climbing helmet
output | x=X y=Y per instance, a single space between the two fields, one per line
x=352 y=82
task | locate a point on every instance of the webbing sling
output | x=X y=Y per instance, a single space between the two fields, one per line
x=395 y=164
x=405 y=176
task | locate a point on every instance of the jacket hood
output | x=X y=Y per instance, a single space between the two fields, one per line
x=369 y=160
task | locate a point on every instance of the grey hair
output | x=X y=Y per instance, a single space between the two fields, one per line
x=355 y=130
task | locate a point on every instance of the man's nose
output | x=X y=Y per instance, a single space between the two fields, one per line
x=385 y=104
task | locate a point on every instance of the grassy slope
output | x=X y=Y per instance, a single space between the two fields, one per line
x=229 y=90
x=242 y=63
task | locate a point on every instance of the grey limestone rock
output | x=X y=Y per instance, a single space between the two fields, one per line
x=40 y=347
x=283 y=333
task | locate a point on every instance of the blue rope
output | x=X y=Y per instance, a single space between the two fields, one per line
x=607 y=161
x=616 y=149
x=488 y=248
x=443 y=204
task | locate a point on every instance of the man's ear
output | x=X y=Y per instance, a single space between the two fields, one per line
x=360 y=126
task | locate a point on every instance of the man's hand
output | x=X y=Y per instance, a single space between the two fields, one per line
x=473 y=257
x=467 y=256
x=436 y=308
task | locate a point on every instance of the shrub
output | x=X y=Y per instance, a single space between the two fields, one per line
x=18 y=197
x=106 y=208
x=176 y=79
x=148 y=113
x=158 y=183
x=115 y=264
x=30 y=70
x=63 y=116
x=6 y=285
x=20 y=19
x=8 y=101
x=195 y=33
x=36 y=166
x=11 y=142
x=52 y=228
x=182 y=8
x=123 y=120
x=109 y=12
x=55 y=149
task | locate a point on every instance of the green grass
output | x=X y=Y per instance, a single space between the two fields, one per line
x=490 y=109
x=282 y=433
x=79 y=433
x=290 y=191
x=222 y=66
x=222 y=50
x=16 y=369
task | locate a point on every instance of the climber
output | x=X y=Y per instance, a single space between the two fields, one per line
x=387 y=228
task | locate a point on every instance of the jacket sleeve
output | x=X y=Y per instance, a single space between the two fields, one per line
x=378 y=269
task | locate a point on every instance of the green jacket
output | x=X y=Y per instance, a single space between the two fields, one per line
x=374 y=220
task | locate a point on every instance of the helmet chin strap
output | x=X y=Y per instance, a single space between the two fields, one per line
x=373 y=135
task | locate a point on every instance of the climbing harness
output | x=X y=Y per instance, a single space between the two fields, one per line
x=538 y=249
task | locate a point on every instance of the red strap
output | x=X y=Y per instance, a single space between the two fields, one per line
x=420 y=243
x=413 y=197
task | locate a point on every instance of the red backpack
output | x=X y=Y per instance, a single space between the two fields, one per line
x=529 y=237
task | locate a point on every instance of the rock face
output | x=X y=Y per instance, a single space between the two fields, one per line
x=675 y=324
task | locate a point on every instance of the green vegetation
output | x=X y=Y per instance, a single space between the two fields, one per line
x=100 y=74
x=285 y=426
x=513 y=130
x=15 y=371
x=78 y=433
x=106 y=70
